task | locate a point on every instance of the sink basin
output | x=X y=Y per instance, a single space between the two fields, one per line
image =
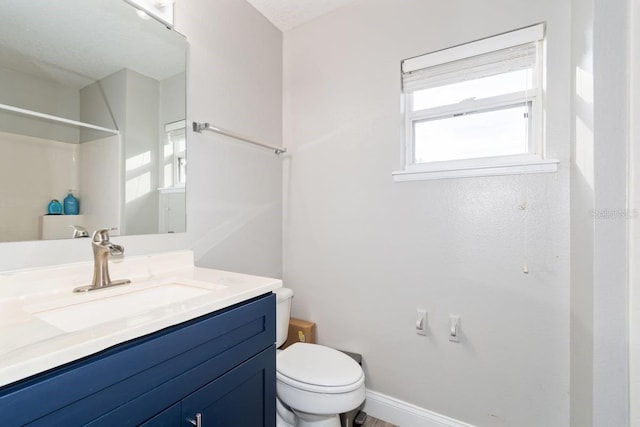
x=77 y=316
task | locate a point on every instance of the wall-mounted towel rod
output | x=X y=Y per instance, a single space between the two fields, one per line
x=199 y=127
x=55 y=118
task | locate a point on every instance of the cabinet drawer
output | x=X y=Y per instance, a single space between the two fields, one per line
x=143 y=370
x=170 y=417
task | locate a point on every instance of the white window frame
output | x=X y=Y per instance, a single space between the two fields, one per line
x=531 y=162
x=176 y=156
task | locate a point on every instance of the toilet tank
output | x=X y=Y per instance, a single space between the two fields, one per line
x=283 y=311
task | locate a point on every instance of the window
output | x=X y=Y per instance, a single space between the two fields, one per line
x=475 y=109
x=174 y=155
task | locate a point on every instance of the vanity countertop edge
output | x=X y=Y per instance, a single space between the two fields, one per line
x=30 y=345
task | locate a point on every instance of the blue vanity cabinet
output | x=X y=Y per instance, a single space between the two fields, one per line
x=221 y=366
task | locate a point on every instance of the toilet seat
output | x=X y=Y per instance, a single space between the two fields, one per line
x=318 y=369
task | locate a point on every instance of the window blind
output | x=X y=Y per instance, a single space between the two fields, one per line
x=479 y=47
x=485 y=65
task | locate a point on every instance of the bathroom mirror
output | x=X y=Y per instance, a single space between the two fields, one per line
x=92 y=100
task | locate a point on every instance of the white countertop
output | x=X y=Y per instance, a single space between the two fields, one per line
x=29 y=344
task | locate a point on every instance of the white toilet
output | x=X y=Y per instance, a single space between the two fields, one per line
x=314 y=383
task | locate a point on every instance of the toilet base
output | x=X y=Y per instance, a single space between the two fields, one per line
x=326 y=422
x=312 y=420
x=284 y=417
x=282 y=423
x=287 y=418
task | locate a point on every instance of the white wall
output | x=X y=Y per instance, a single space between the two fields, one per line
x=129 y=101
x=634 y=231
x=141 y=154
x=100 y=188
x=234 y=193
x=235 y=189
x=362 y=253
x=34 y=171
x=104 y=103
x=582 y=206
x=172 y=92
x=44 y=96
x=610 y=285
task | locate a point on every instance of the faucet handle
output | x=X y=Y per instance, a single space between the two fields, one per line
x=101 y=235
x=79 y=231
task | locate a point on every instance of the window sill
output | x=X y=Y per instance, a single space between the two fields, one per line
x=176 y=189
x=444 y=171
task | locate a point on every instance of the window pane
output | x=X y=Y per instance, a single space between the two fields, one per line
x=485 y=87
x=174 y=157
x=182 y=170
x=484 y=134
x=180 y=143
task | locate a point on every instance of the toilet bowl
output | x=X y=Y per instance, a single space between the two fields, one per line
x=284 y=416
x=314 y=383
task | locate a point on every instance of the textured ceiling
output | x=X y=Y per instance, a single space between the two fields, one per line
x=288 y=14
x=76 y=42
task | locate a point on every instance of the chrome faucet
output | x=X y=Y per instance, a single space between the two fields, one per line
x=102 y=248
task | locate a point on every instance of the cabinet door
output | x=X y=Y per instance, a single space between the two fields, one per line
x=170 y=417
x=243 y=397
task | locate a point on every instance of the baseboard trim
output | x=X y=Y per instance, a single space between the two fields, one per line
x=404 y=414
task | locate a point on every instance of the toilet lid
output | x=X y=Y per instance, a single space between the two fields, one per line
x=315 y=366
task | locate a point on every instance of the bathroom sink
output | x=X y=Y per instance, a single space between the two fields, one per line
x=76 y=316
